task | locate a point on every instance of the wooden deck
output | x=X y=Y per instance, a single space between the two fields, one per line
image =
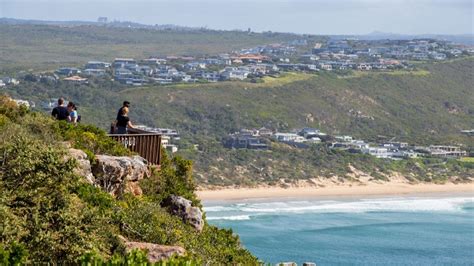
x=147 y=145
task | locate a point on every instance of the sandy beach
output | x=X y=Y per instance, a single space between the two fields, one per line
x=334 y=190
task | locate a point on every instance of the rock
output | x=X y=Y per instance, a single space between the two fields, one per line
x=155 y=252
x=182 y=207
x=83 y=165
x=118 y=175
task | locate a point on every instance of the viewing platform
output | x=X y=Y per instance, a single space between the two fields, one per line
x=146 y=144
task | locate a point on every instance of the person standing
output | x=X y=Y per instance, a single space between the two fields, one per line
x=60 y=112
x=114 y=125
x=125 y=104
x=72 y=109
x=123 y=122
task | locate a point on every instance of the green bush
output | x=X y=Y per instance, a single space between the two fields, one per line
x=50 y=215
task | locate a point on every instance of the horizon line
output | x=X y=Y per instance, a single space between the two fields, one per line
x=373 y=32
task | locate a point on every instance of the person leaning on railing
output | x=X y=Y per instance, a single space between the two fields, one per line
x=123 y=122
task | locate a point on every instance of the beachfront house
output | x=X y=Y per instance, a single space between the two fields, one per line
x=446 y=151
x=378 y=152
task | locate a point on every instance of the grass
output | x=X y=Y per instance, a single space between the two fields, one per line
x=44 y=47
x=467 y=159
x=285 y=79
x=359 y=74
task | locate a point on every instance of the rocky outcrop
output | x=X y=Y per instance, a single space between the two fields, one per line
x=182 y=207
x=83 y=167
x=155 y=252
x=119 y=175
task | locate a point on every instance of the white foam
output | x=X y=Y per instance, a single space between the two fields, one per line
x=359 y=206
x=220 y=208
x=234 y=218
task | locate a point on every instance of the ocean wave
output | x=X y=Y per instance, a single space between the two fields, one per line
x=220 y=208
x=232 y=217
x=359 y=206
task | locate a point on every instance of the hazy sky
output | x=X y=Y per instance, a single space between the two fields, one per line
x=300 y=16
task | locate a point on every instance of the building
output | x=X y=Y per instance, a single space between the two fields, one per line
x=245 y=142
x=289 y=137
x=344 y=138
x=10 y=81
x=94 y=72
x=364 y=66
x=68 y=71
x=469 y=132
x=437 y=56
x=445 y=151
x=309 y=133
x=324 y=66
x=239 y=73
x=166 y=143
x=123 y=62
x=377 y=152
x=102 y=20
x=97 y=65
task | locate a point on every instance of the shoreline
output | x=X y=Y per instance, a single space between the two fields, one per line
x=353 y=190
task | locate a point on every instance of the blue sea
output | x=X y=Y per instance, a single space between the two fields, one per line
x=436 y=230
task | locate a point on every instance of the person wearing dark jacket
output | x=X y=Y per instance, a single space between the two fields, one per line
x=60 y=112
x=125 y=104
x=123 y=122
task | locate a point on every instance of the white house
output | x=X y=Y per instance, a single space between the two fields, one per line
x=289 y=137
x=377 y=152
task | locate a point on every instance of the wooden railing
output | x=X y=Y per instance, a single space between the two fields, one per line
x=147 y=145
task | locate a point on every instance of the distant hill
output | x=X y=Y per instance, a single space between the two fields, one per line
x=47 y=47
x=466 y=39
x=113 y=24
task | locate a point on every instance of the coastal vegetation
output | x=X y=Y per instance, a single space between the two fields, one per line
x=420 y=109
x=429 y=104
x=49 y=214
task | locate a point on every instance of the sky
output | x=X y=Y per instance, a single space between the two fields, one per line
x=298 y=16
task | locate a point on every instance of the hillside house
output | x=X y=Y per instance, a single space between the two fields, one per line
x=344 y=138
x=234 y=73
x=377 y=152
x=97 y=65
x=324 y=66
x=154 y=61
x=10 y=81
x=364 y=67
x=437 y=56
x=68 y=71
x=94 y=72
x=245 y=142
x=123 y=62
x=289 y=137
x=446 y=151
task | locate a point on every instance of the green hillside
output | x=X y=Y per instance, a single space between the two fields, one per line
x=43 y=47
x=426 y=106
x=49 y=214
x=433 y=106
